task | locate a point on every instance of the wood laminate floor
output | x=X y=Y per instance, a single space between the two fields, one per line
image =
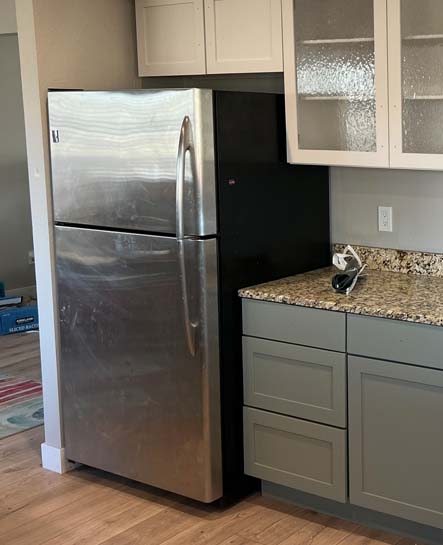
x=89 y=507
x=20 y=355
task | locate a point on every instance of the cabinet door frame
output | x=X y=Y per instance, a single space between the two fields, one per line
x=238 y=65
x=399 y=159
x=198 y=67
x=358 y=368
x=296 y=155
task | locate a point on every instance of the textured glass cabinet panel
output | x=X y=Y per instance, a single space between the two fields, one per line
x=336 y=74
x=422 y=75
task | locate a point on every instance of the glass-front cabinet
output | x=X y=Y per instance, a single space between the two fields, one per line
x=364 y=82
x=336 y=82
x=415 y=31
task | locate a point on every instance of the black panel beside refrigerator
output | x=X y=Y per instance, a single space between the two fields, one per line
x=273 y=221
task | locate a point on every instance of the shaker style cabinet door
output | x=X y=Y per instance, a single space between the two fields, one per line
x=295 y=453
x=295 y=380
x=170 y=37
x=243 y=36
x=415 y=32
x=336 y=84
x=396 y=439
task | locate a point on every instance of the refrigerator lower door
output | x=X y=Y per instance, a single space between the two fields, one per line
x=139 y=357
x=115 y=159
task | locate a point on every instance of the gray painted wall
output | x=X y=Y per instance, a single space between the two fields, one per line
x=15 y=213
x=7 y=17
x=416 y=198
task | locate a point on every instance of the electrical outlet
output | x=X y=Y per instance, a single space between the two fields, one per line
x=31 y=259
x=385 y=218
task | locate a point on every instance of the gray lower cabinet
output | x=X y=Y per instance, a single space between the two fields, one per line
x=396 y=439
x=394 y=340
x=295 y=453
x=299 y=391
x=297 y=325
x=295 y=380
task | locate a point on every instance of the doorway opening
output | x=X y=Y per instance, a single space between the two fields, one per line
x=21 y=404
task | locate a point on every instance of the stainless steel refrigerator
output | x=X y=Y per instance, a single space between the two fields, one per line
x=166 y=203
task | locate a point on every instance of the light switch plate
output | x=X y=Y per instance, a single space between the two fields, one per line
x=385 y=219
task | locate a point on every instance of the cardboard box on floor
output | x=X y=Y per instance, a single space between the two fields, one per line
x=20 y=318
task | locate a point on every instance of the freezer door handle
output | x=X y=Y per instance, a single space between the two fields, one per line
x=184 y=146
x=190 y=326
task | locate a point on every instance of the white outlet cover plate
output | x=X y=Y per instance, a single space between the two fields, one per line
x=385 y=219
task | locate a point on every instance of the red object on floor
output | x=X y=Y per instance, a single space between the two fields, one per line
x=18 y=389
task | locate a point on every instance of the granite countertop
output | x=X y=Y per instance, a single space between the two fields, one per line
x=385 y=294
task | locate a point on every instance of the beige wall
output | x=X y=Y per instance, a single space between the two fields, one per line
x=88 y=44
x=416 y=198
x=7 y=17
x=64 y=44
x=15 y=212
x=84 y=45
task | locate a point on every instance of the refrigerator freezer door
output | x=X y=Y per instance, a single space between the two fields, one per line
x=139 y=399
x=115 y=159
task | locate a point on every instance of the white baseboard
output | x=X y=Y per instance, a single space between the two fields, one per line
x=53 y=459
x=26 y=291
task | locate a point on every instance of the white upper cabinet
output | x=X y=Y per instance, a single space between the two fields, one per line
x=170 y=37
x=415 y=31
x=243 y=36
x=336 y=82
x=188 y=37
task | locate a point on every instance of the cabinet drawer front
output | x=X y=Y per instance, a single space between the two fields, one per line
x=387 y=339
x=294 y=453
x=292 y=324
x=396 y=439
x=295 y=380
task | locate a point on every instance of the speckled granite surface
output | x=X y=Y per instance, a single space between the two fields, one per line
x=407 y=262
x=410 y=297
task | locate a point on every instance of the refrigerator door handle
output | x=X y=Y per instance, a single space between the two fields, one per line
x=184 y=146
x=190 y=326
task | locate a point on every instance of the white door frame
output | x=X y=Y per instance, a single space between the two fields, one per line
x=40 y=193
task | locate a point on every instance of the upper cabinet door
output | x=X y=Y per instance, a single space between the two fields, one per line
x=335 y=55
x=171 y=37
x=416 y=83
x=243 y=36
